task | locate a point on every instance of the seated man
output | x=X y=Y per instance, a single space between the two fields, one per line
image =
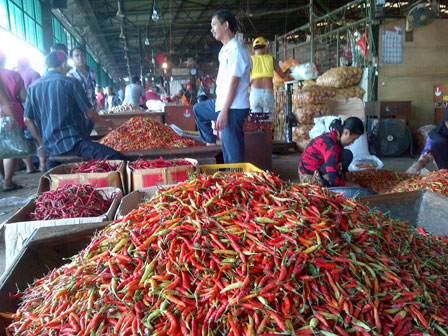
x=54 y=114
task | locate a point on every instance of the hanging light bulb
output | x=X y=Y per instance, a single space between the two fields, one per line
x=147 y=41
x=120 y=13
x=155 y=16
x=126 y=47
x=122 y=36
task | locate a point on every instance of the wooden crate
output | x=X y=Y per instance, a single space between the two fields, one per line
x=120 y=118
x=182 y=116
x=204 y=154
x=45 y=250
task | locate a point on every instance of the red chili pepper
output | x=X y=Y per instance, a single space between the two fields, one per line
x=264 y=257
x=143 y=133
x=95 y=166
x=71 y=201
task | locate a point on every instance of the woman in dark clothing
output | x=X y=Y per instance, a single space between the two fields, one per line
x=436 y=148
x=325 y=161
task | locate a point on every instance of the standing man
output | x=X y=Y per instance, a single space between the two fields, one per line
x=133 y=92
x=83 y=73
x=54 y=114
x=111 y=98
x=231 y=106
x=262 y=70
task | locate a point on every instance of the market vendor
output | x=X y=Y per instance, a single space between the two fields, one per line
x=231 y=106
x=262 y=67
x=436 y=148
x=55 y=110
x=324 y=161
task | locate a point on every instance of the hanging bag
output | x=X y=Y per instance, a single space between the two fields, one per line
x=12 y=140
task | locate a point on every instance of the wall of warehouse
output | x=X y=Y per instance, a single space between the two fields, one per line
x=424 y=64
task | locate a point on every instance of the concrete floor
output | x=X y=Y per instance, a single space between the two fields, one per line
x=285 y=165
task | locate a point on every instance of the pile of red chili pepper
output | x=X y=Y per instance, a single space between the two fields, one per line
x=379 y=180
x=436 y=181
x=143 y=133
x=246 y=254
x=159 y=163
x=387 y=181
x=71 y=201
x=95 y=166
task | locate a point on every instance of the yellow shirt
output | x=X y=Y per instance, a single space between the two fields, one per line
x=262 y=66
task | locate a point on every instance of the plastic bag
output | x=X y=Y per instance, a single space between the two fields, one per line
x=312 y=95
x=342 y=77
x=304 y=71
x=12 y=140
x=366 y=162
x=360 y=148
x=350 y=92
x=321 y=126
x=306 y=114
x=284 y=66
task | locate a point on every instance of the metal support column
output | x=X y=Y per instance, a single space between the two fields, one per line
x=313 y=56
x=140 y=52
x=338 y=60
x=47 y=25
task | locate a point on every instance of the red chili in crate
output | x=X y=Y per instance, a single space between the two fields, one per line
x=95 y=166
x=71 y=201
x=143 y=133
x=245 y=254
x=436 y=181
x=159 y=163
x=379 y=180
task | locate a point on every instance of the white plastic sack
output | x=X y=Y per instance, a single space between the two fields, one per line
x=304 y=71
x=155 y=105
x=321 y=126
x=360 y=148
x=365 y=162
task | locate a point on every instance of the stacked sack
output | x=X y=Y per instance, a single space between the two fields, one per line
x=308 y=103
x=344 y=80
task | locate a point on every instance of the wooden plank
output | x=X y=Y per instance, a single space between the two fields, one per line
x=424 y=64
x=120 y=118
x=204 y=154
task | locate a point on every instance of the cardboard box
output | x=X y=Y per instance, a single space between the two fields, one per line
x=46 y=249
x=60 y=176
x=133 y=199
x=351 y=107
x=440 y=92
x=144 y=178
x=16 y=230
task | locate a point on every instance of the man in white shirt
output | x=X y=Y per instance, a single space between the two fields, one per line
x=231 y=106
x=133 y=92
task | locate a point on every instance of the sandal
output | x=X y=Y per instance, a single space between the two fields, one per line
x=14 y=187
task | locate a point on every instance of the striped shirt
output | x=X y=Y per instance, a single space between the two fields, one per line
x=88 y=83
x=57 y=104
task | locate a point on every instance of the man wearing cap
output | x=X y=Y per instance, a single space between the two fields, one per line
x=55 y=110
x=262 y=70
x=231 y=106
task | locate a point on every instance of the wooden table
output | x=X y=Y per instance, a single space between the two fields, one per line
x=120 y=118
x=204 y=154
